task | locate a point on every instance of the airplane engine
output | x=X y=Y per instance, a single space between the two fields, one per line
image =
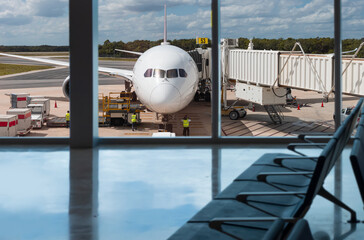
x=66 y=87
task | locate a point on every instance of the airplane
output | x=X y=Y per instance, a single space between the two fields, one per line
x=165 y=77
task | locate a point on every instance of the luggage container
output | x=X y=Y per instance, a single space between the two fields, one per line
x=45 y=102
x=8 y=125
x=24 y=120
x=19 y=100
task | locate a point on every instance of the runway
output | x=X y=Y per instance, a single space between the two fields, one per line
x=54 y=77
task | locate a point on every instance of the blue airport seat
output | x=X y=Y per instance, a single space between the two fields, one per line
x=357 y=156
x=268 y=190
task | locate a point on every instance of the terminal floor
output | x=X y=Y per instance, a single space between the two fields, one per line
x=135 y=193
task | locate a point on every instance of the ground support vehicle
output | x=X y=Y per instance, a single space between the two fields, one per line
x=234 y=112
x=37 y=117
x=44 y=101
x=117 y=108
x=57 y=122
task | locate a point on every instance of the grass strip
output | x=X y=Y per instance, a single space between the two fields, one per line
x=107 y=58
x=6 y=69
x=118 y=59
x=39 y=53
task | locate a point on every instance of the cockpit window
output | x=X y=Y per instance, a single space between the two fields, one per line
x=172 y=73
x=159 y=73
x=182 y=73
x=148 y=73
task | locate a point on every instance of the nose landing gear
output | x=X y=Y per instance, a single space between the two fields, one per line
x=165 y=126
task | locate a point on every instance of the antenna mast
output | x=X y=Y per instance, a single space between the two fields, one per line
x=165 y=23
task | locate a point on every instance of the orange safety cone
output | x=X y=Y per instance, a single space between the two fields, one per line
x=55 y=104
x=298 y=107
x=322 y=104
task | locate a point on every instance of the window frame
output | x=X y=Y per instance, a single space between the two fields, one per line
x=84 y=64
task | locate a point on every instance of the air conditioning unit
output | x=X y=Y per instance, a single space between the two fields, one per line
x=231 y=43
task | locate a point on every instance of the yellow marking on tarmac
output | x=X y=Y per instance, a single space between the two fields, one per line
x=137 y=134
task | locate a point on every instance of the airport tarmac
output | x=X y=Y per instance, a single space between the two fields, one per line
x=310 y=118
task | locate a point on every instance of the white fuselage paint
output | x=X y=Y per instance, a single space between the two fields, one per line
x=162 y=94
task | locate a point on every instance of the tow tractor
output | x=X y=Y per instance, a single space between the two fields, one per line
x=345 y=112
x=234 y=112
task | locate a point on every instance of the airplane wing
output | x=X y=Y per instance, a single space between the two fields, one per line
x=126 y=51
x=113 y=71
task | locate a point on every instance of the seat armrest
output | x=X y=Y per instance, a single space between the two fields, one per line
x=302 y=136
x=292 y=146
x=263 y=175
x=216 y=223
x=243 y=196
x=279 y=160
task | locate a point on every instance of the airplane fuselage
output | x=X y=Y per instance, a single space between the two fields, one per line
x=165 y=79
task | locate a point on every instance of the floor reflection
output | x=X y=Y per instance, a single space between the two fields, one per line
x=34 y=193
x=216 y=172
x=83 y=196
x=137 y=193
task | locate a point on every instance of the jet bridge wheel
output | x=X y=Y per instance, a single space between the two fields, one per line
x=243 y=113
x=197 y=97
x=208 y=96
x=234 y=115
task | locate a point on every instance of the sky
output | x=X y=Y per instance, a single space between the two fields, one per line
x=37 y=22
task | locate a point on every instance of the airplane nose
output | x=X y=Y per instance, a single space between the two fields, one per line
x=165 y=98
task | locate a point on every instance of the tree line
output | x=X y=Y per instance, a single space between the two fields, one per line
x=310 y=45
x=107 y=48
x=41 y=48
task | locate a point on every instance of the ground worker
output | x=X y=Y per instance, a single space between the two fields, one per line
x=133 y=121
x=68 y=119
x=186 y=126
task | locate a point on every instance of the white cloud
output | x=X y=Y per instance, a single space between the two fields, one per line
x=46 y=21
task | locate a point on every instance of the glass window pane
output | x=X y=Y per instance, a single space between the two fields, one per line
x=38 y=30
x=281 y=71
x=148 y=73
x=172 y=99
x=182 y=73
x=172 y=73
x=159 y=73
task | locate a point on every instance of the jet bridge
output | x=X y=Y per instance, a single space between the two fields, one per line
x=265 y=77
x=202 y=59
x=291 y=69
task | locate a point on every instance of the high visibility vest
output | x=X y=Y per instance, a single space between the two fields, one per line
x=133 y=118
x=186 y=123
x=67 y=116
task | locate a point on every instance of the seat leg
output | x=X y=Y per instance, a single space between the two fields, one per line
x=325 y=194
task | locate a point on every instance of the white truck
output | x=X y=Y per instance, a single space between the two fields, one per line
x=38 y=117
